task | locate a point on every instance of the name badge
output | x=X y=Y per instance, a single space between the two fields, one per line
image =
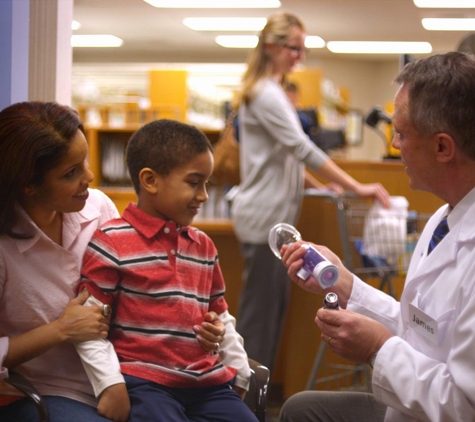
x=423 y=324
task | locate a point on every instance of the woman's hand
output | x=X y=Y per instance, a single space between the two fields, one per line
x=334 y=187
x=373 y=190
x=210 y=333
x=82 y=323
x=77 y=323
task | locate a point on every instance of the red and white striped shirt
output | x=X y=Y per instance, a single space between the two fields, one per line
x=160 y=280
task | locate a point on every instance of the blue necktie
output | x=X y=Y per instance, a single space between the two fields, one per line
x=439 y=233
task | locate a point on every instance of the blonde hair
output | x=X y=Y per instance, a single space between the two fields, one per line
x=259 y=65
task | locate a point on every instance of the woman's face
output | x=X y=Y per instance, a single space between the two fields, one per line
x=285 y=57
x=64 y=188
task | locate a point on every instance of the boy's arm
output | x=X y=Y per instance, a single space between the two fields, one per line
x=99 y=359
x=231 y=349
x=103 y=370
x=232 y=353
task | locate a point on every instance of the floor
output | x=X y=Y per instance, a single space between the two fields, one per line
x=274 y=403
x=272 y=411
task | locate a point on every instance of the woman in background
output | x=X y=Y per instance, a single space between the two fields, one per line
x=274 y=153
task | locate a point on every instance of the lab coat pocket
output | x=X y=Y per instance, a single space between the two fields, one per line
x=432 y=328
x=444 y=323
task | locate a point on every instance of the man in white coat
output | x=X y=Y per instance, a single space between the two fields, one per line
x=422 y=349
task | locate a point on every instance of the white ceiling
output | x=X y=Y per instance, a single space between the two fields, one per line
x=158 y=35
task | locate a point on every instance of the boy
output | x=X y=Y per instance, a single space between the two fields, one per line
x=161 y=277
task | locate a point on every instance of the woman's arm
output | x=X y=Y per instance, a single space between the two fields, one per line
x=330 y=171
x=76 y=323
x=312 y=182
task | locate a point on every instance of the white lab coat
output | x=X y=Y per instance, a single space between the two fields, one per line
x=426 y=371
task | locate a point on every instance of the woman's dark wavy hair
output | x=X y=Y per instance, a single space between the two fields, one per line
x=34 y=138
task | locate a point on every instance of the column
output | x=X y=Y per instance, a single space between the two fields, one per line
x=14 y=47
x=50 y=54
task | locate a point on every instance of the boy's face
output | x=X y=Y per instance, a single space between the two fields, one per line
x=180 y=194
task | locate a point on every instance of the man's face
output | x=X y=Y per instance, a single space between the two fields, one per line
x=417 y=153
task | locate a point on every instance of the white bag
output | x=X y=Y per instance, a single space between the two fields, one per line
x=385 y=230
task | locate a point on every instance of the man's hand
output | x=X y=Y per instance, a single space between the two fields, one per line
x=292 y=258
x=210 y=333
x=114 y=403
x=353 y=336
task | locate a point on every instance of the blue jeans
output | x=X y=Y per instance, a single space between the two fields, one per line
x=61 y=409
x=153 y=402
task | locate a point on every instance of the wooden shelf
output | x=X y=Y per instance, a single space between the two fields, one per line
x=102 y=139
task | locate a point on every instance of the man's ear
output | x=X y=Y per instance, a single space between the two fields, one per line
x=148 y=180
x=446 y=147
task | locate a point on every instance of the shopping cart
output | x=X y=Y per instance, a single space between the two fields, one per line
x=378 y=252
x=377 y=248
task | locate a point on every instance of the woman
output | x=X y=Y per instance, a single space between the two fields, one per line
x=274 y=153
x=47 y=218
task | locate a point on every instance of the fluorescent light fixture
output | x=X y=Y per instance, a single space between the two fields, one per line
x=75 y=25
x=250 y=41
x=225 y=24
x=96 y=41
x=445 y=4
x=378 y=47
x=448 y=24
x=215 y=4
x=314 y=41
x=237 y=41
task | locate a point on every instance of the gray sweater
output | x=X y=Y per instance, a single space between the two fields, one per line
x=274 y=152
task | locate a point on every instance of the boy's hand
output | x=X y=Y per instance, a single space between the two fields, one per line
x=114 y=403
x=240 y=391
x=210 y=333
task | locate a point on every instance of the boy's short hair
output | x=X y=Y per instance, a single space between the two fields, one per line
x=163 y=145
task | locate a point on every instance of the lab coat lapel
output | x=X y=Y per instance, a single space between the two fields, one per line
x=425 y=269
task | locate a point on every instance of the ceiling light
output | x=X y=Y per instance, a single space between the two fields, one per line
x=448 y=24
x=447 y=4
x=237 y=41
x=215 y=4
x=225 y=24
x=314 y=41
x=250 y=41
x=96 y=41
x=75 y=25
x=378 y=47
